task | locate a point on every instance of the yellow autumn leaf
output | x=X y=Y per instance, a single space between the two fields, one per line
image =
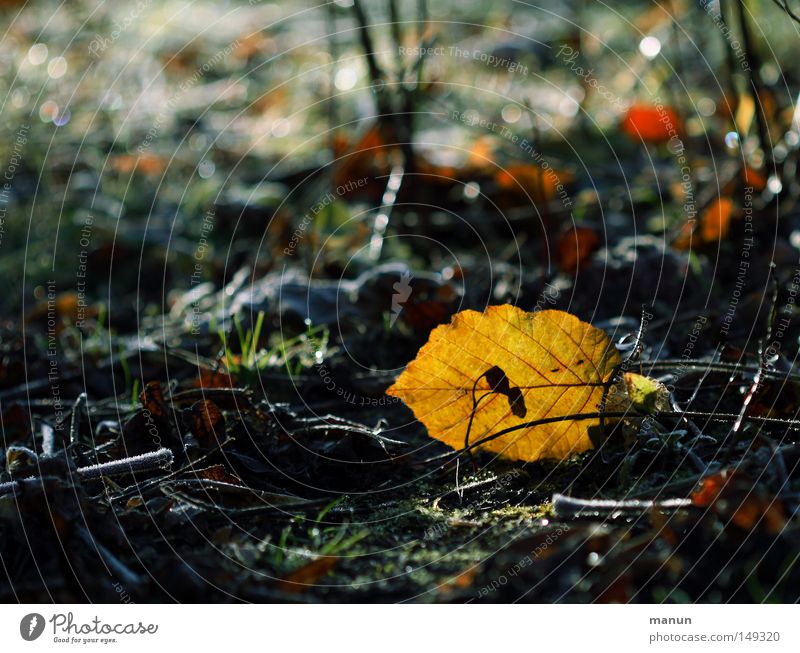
x=540 y=365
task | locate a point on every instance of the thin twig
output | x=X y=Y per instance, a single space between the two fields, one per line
x=146 y=462
x=375 y=73
x=74 y=426
x=159 y=459
x=718 y=417
x=48 y=440
x=397 y=38
x=784 y=4
x=382 y=219
x=763 y=365
x=756 y=83
x=422 y=17
x=712 y=366
x=564 y=506
x=147 y=485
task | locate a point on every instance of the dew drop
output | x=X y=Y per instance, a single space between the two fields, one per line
x=472 y=190
x=345 y=79
x=37 y=54
x=62 y=117
x=57 y=67
x=706 y=107
x=774 y=184
x=511 y=113
x=48 y=111
x=732 y=140
x=206 y=168
x=650 y=46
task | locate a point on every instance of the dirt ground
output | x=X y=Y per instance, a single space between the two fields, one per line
x=225 y=230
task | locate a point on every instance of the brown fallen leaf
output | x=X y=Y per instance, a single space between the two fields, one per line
x=368 y=154
x=206 y=422
x=575 y=246
x=207 y=378
x=533 y=180
x=523 y=367
x=738 y=501
x=754 y=178
x=152 y=399
x=308 y=574
x=712 y=227
x=218 y=473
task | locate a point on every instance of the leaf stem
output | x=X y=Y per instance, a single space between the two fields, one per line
x=475 y=403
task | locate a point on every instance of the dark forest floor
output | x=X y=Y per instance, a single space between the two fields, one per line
x=205 y=310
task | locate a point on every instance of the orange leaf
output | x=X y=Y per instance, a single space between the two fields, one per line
x=575 y=246
x=308 y=574
x=368 y=154
x=207 y=378
x=147 y=164
x=736 y=499
x=526 y=366
x=651 y=124
x=753 y=178
x=540 y=184
x=716 y=220
x=481 y=152
x=712 y=227
x=69 y=309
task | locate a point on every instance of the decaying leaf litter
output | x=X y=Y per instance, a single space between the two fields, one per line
x=230 y=437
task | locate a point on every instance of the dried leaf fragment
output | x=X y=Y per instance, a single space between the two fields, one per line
x=549 y=363
x=738 y=501
x=575 y=246
x=308 y=575
x=646 y=395
x=206 y=422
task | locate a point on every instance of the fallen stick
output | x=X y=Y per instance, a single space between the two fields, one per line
x=564 y=506
x=145 y=462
